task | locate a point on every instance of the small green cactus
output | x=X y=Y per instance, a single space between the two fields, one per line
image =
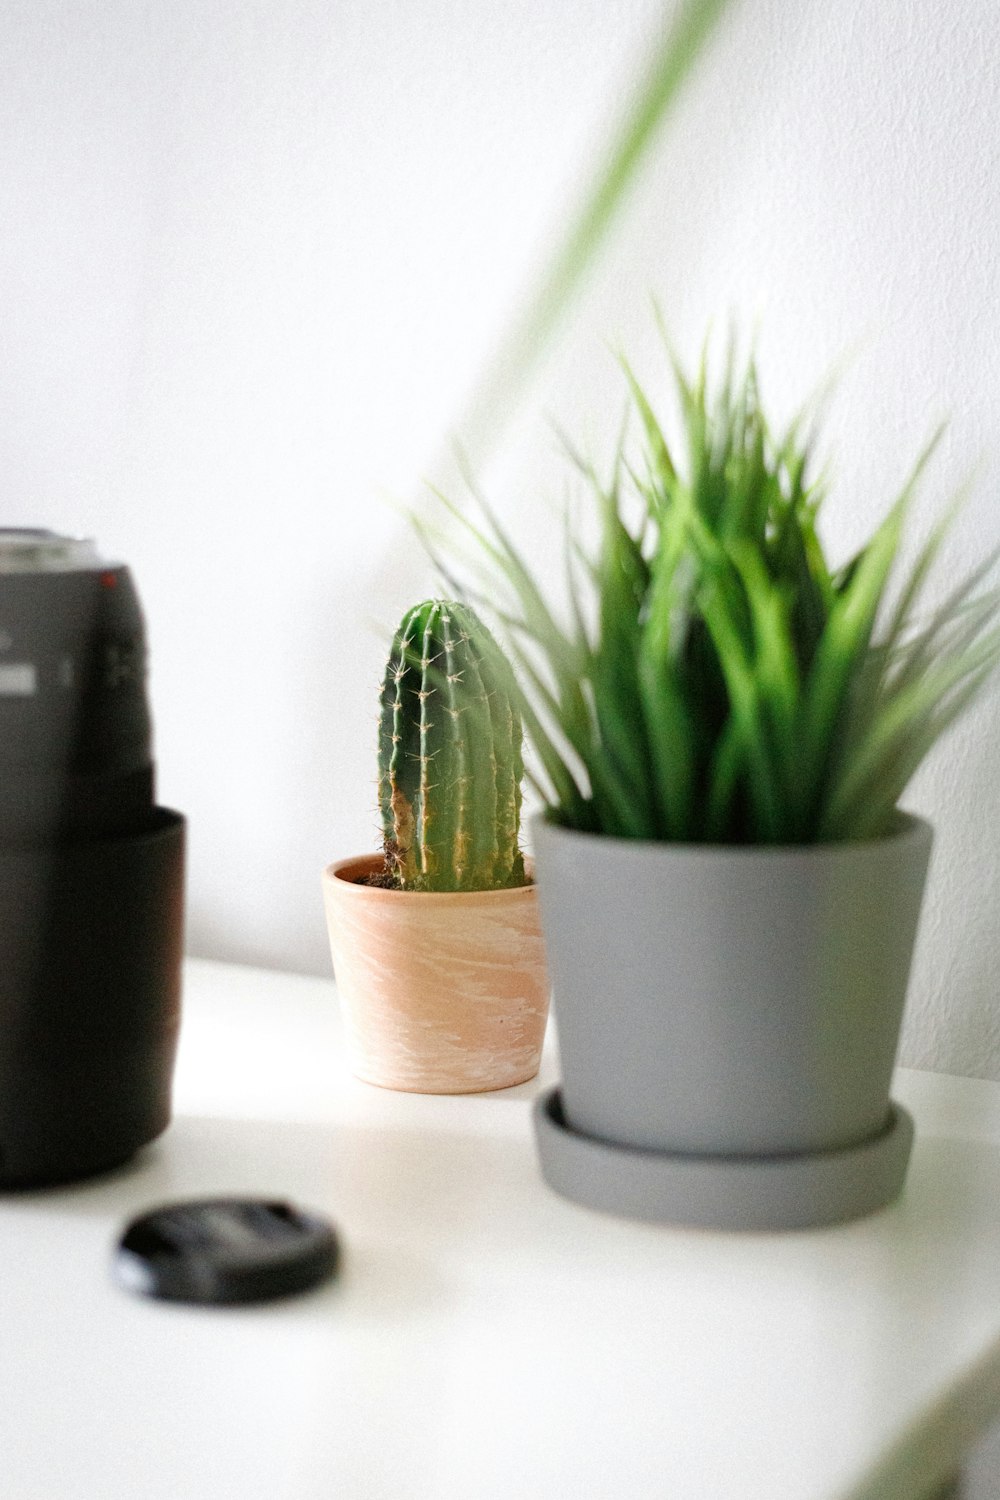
x=450 y=761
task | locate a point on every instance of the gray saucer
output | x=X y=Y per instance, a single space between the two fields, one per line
x=723 y=1192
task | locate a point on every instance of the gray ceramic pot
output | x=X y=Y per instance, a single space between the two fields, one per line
x=730 y=1001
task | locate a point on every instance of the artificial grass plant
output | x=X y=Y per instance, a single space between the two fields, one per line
x=716 y=679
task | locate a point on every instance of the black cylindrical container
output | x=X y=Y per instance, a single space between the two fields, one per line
x=91 y=871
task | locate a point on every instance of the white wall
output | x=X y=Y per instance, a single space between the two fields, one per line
x=254 y=252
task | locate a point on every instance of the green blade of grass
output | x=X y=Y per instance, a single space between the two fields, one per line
x=499 y=392
x=777 y=677
x=870 y=815
x=723 y=784
x=564 y=792
x=960 y=614
x=748 y=715
x=670 y=736
x=898 y=730
x=847 y=636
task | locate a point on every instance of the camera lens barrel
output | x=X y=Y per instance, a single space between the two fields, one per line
x=91 y=870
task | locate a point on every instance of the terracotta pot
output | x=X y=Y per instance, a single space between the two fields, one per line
x=441 y=992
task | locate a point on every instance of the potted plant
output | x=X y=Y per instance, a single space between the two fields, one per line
x=729 y=890
x=436 y=942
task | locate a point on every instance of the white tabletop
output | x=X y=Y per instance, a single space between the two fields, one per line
x=487 y=1340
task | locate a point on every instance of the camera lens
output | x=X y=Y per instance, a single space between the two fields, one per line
x=75 y=738
x=91 y=870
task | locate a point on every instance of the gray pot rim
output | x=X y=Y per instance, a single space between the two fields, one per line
x=908 y=826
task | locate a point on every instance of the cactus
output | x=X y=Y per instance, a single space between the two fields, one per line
x=450 y=761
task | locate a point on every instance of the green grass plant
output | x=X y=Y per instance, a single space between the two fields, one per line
x=713 y=679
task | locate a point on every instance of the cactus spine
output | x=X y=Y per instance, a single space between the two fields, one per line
x=450 y=760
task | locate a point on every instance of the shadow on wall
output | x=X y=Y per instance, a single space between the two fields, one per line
x=952 y=1019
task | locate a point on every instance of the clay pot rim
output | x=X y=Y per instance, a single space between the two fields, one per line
x=346 y=871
